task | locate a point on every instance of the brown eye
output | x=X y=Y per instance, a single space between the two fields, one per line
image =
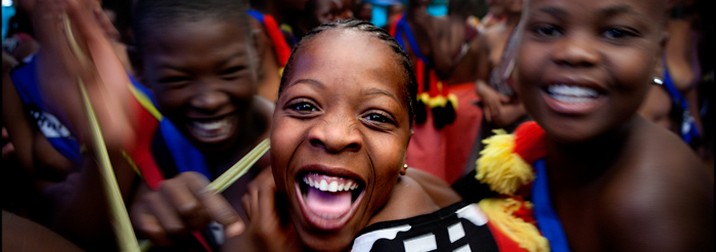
x=619 y=33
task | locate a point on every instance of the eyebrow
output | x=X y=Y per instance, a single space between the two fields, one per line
x=382 y=92
x=311 y=82
x=608 y=12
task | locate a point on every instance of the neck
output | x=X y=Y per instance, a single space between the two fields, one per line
x=587 y=160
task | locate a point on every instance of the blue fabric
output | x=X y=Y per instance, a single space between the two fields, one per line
x=687 y=129
x=7 y=13
x=186 y=157
x=256 y=15
x=26 y=83
x=404 y=29
x=547 y=220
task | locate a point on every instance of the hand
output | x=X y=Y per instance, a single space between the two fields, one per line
x=267 y=228
x=181 y=205
x=492 y=101
x=510 y=112
x=60 y=66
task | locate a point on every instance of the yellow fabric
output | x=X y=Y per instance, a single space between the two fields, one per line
x=499 y=167
x=499 y=212
x=145 y=102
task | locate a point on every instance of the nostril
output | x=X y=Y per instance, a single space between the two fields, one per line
x=315 y=142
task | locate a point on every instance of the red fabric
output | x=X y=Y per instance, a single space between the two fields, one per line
x=283 y=51
x=504 y=243
x=444 y=153
x=145 y=127
x=530 y=142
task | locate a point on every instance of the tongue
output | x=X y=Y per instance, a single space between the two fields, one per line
x=328 y=204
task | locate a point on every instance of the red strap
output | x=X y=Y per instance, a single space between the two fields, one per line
x=141 y=153
x=279 y=41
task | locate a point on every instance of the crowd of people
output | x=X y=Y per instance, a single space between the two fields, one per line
x=541 y=125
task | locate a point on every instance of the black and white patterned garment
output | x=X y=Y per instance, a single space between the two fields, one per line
x=460 y=227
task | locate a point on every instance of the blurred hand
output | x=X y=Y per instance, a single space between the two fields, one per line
x=179 y=206
x=267 y=229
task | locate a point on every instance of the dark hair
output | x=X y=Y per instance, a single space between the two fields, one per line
x=409 y=90
x=149 y=15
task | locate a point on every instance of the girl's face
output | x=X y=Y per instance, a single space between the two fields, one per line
x=584 y=66
x=339 y=137
x=203 y=79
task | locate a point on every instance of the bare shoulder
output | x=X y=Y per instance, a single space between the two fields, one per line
x=408 y=199
x=439 y=191
x=660 y=197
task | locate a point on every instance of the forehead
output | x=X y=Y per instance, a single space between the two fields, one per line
x=350 y=50
x=200 y=38
x=647 y=9
x=348 y=54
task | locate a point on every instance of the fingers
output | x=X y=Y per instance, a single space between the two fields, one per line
x=216 y=206
x=183 y=204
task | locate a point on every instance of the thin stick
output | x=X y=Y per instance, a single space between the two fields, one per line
x=240 y=168
x=120 y=219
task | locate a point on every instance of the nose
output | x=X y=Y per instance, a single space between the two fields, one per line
x=208 y=99
x=336 y=133
x=577 y=50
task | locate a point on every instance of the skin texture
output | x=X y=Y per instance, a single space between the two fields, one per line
x=321 y=126
x=70 y=197
x=213 y=83
x=617 y=181
x=342 y=113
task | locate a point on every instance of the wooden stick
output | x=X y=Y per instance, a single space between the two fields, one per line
x=126 y=239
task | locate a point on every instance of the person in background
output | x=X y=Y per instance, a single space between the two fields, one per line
x=595 y=174
x=211 y=116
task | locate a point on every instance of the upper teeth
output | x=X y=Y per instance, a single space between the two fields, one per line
x=323 y=184
x=572 y=91
x=211 y=125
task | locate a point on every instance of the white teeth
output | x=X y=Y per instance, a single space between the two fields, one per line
x=572 y=91
x=333 y=186
x=211 y=125
x=571 y=94
x=212 y=129
x=324 y=185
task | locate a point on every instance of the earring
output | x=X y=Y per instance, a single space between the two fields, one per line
x=404 y=170
x=657 y=81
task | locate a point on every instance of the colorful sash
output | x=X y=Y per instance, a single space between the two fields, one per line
x=432 y=93
x=505 y=168
x=24 y=78
x=278 y=40
x=186 y=157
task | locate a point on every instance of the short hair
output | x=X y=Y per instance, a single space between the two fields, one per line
x=410 y=88
x=149 y=15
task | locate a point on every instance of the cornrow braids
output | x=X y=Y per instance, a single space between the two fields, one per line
x=409 y=90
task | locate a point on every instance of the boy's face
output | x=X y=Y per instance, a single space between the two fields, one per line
x=584 y=66
x=339 y=137
x=203 y=79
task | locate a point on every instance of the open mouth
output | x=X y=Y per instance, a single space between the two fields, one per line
x=573 y=99
x=327 y=201
x=212 y=130
x=572 y=94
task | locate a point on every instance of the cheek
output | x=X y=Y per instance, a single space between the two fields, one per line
x=285 y=139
